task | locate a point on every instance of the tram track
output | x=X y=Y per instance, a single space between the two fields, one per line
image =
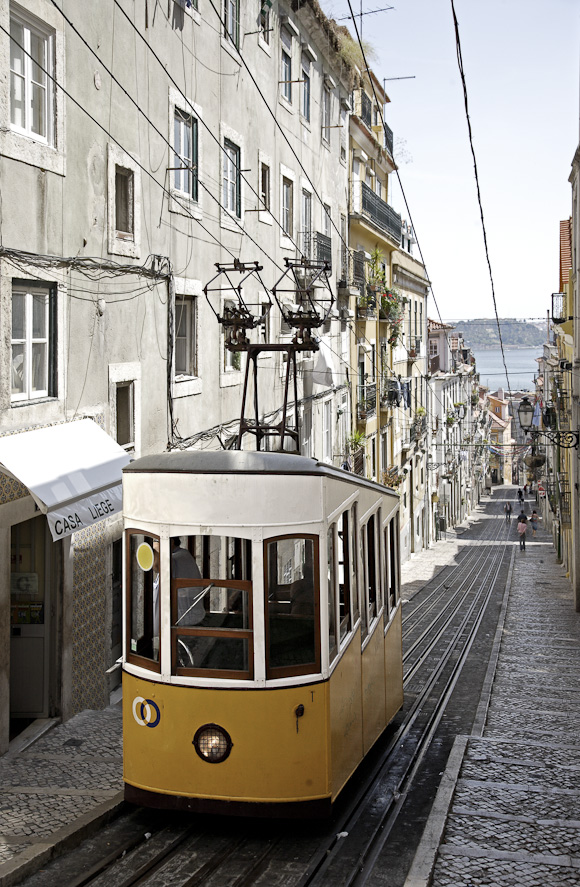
x=369 y=825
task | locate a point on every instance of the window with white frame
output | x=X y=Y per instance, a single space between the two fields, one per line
x=31 y=90
x=125 y=415
x=185 y=158
x=231 y=178
x=286 y=64
x=343 y=134
x=32 y=342
x=326 y=220
x=327 y=430
x=265 y=186
x=124 y=203
x=326 y=113
x=306 y=224
x=232 y=21
x=185 y=354
x=433 y=347
x=287 y=206
x=305 y=109
x=307 y=430
x=264 y=20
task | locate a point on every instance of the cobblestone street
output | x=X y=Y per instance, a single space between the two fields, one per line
x=63 y=783
x=508 y=809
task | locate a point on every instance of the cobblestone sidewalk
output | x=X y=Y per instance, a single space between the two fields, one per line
x=510 y=798
x=67 y=779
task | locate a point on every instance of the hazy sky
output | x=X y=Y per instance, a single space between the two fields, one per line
x=521 y=62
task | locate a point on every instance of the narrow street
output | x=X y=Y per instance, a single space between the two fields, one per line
x=504 y=808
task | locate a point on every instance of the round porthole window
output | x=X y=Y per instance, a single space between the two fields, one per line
x=212 y=743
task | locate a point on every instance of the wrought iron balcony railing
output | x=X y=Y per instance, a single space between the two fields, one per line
x=389 y=139
x=367 y=402
x=366 y=109
x=368 y=204
x=559 y=308
x=565 y=500
x=322 y=248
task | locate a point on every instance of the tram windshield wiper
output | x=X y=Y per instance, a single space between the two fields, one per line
x=196 y=601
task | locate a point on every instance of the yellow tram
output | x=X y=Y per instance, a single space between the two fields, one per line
x=262 y=630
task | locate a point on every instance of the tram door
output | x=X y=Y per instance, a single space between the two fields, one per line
x=29 y=619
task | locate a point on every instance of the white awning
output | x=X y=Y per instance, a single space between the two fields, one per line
x=73 y=472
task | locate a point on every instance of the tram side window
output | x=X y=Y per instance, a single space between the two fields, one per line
x=354 y=565
x=143 y=597
x=332 y=621
x=344 y=550
x=292 y=611
x=394 y=563
x=371 y=596
x=211 y=613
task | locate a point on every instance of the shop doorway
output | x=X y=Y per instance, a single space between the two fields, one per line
x=31 y=571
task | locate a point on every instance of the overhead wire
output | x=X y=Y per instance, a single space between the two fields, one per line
x=476 y=173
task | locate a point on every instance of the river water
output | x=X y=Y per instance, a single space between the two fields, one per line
x=521 y=365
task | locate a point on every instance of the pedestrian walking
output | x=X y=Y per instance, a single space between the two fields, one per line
x=522 y=528
x=508 y=512
x=520 y=496
x=525 y=490
x=534 y=518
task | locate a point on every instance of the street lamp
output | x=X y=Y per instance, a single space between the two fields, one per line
x=566 y=439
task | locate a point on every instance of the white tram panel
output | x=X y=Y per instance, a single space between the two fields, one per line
x=237 y=492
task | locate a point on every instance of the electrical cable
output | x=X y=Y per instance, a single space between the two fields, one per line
x=470 y=135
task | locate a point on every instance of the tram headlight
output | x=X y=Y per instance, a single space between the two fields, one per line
x=212 y=743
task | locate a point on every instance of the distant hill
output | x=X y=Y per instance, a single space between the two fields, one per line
x=482 y=332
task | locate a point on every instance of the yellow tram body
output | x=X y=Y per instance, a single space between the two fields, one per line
x=295 y=740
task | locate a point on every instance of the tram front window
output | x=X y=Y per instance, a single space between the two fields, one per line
x=211 y=606
x=143 y=603
x=292 y=606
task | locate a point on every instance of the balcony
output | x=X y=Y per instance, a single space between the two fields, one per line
x=559 y=308
x=368 y=204
x=366 y=109
x=322 y=248
x=366 y=406
x=565 y=501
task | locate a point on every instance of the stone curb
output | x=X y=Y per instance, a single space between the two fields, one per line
x=67 y=838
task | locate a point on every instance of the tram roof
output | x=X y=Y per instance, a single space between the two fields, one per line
x=245 y=462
